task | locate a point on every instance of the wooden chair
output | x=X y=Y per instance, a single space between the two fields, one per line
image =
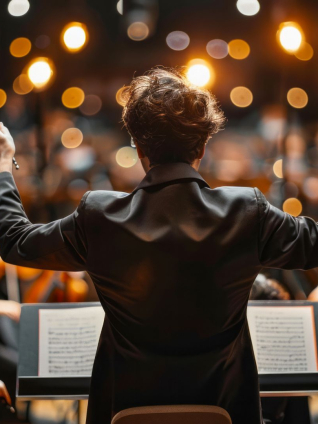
x=173 y=414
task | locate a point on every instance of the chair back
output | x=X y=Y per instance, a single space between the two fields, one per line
x=173 y=414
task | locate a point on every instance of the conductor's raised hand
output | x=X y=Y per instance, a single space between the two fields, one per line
x=7 y=146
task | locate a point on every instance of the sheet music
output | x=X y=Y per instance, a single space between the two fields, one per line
x=68 y=340
x=284 y=338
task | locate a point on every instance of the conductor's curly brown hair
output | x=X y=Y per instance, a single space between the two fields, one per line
x=168 y=117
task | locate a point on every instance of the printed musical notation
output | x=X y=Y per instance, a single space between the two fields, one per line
x=284 y=338
x=68 y=340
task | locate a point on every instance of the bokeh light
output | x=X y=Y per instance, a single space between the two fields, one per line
x=71 y=138
x=20 y=47
x=22 y=85
x=40 y=72
x=200 y=72
x=305 y=52
x=218 y=49
x=292 y=206
x=42 y=41
x=178 y=40
x=121 y=97
x=126 y=157
x=239 y=49
x=3 y=97
x=120 y=6
x=138 y=31
x=297 y=97
x=73 y=97
x=18 y=7
x=290 y=36
x=241 y=96
x=278 y=168
x=74 y=36
x=91 y=105
x=248 y=7
x=310 y=188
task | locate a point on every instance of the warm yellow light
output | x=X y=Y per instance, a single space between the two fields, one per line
x=75 y=36
x=239 y=49
x=71 y=138
x=305 y=52
x=297 y=97
x=22 y=85
x=121 y=97
x=91 y=105
x=290 y=36
x=200 y=73
x=292 y=206
x=20 y=47
x=40 y=72
x=126 y=157
x=278 y=168
x=138 y=31
x=241 y=96
x=73 y=97
x=3 y=97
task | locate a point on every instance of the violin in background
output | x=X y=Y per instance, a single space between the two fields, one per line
x=41 y=286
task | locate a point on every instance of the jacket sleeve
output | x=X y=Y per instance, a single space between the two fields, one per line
x=285 y=241
x=59 y=245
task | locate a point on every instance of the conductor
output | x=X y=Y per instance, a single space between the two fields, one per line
x=173 y=262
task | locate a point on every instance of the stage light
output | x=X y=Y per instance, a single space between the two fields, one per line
x=278 y=168
x=290 y=36
x=292 y=206
x=18 y=7
x=138 y=31
x=126 y=157
x=121 y=97
x=200 y=73
x=71 y=138
x=3 y=97
x=241 y=96
x=305 y=52
x=91 y=105
x=248 y=7
x=73 y=97
x=297 y=97
x=40 y=72
x=218 y=49
x=74 y=36
x=22 y=85
x=120 y=7
x=20 y=47
x=239 y=49
x=178 y=40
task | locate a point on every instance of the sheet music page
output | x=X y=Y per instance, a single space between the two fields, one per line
x=284 y=338
x=68 y=340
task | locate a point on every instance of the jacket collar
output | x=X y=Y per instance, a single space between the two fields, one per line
x=168 y=172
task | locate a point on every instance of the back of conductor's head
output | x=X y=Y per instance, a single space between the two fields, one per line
x=168 y=118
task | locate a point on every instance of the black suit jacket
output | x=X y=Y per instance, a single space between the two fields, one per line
x=173 y=264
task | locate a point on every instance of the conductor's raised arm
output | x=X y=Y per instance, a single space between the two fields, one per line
x=285 y=241
x=59 y=245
